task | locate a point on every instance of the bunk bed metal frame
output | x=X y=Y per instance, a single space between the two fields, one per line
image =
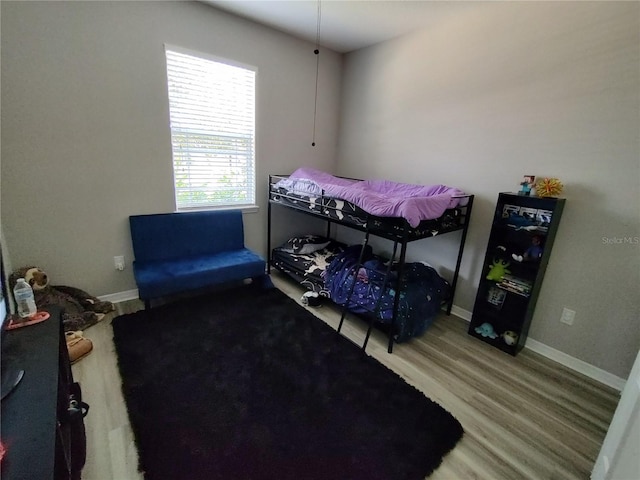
x=395 y=229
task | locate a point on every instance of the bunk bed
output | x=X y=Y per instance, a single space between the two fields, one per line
x=353 y=276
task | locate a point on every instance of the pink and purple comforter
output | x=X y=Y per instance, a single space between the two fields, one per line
x=382 y=198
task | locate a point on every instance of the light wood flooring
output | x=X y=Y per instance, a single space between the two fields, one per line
x=524 y=417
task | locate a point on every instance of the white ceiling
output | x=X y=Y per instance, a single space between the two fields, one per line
x=345 y=25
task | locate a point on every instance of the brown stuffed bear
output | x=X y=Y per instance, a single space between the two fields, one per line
x=80 y=310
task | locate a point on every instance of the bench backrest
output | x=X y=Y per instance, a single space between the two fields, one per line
x=166 y=236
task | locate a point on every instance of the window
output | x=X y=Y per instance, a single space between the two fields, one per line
x=212 y=109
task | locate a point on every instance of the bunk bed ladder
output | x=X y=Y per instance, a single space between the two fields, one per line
x=385 y=282
x=355 y=279
x=398 y=288
x=383 y=288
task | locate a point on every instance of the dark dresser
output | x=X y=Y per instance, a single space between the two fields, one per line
x=42 y=417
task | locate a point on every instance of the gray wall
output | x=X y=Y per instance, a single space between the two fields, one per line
x=507 y=89
x=85 y=124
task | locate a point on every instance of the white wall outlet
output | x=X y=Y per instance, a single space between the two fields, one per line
x=119 y=262
x=568 y=316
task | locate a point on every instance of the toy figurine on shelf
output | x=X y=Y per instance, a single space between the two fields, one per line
x=533 y=253
x=527 y=184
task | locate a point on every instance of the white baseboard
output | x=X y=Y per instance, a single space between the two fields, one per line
x=562 y=358
x=120 y=296
x=461 y=312
x=576 y=364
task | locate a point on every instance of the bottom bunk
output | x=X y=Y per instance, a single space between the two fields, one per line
x=329 y=268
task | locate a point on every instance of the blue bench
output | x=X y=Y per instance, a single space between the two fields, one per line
x=179 y=252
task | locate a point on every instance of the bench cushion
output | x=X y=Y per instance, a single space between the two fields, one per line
x=156 y=278
x=166 y=236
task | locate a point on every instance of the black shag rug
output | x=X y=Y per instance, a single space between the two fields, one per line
x=245 y=384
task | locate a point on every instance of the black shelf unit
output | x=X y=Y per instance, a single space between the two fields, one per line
x=520 y=244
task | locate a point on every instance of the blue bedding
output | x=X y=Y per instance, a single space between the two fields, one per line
x=422 y=291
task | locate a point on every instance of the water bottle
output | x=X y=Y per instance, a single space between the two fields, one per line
x=24 y=298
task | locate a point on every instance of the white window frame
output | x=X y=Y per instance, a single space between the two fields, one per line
x=210 y=176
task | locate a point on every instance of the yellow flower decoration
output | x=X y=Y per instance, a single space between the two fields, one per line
x=549 y=187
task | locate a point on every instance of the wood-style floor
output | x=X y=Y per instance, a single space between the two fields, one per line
x=524 y=417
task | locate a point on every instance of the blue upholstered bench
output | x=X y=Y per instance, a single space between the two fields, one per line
x=178 y=252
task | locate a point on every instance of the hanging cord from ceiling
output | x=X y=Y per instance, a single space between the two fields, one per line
x=316 y=51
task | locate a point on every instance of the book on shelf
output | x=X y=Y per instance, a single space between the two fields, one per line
x=516 y=284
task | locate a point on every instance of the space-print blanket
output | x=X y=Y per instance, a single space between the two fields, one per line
x=422 y=291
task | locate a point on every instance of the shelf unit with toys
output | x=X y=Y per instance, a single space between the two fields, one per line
x=520 y=243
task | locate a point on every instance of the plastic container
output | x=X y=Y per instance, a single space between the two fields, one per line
x=25 y=302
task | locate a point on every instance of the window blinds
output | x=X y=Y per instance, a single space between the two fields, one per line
x=212 y=109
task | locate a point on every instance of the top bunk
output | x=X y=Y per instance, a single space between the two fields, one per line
x=396 y=211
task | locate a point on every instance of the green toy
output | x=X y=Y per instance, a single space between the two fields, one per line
x=498 y=270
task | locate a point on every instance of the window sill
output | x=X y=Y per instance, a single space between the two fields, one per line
x=244 y=208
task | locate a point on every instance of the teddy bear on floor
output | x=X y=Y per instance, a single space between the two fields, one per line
x=81 y=310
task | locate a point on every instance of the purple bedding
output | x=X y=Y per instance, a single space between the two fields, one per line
x=382 y=198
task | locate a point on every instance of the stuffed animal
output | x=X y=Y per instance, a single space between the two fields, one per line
x=533 y=253
x=510 y=337
x=498 y=269
x=486 y=330
x=81 y=310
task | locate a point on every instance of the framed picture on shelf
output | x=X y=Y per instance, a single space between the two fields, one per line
x=496 y=297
